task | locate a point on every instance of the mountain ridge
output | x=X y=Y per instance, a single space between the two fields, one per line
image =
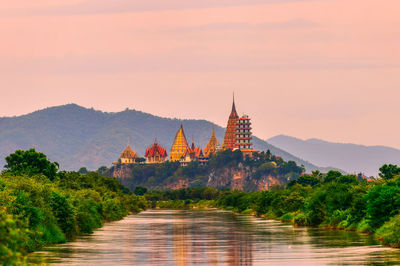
x=76 y=136
x=350 y=157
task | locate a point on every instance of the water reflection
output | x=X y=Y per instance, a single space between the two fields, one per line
x=216 y=238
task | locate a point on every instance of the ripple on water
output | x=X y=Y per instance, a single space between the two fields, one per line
x=213 y=237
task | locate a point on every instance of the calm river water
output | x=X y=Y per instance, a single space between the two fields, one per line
x=213 y=237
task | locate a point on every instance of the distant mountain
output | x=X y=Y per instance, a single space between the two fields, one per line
x=350 y=157
x=75 y=136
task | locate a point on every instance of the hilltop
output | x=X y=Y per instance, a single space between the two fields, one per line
x=76 y=136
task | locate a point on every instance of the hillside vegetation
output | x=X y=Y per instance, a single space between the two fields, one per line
x=40 y=206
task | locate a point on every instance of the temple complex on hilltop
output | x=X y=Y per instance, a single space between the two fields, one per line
x=212 y=146
x=238 y=135
x=156 y=153
x=128 y=156
x=179 y=146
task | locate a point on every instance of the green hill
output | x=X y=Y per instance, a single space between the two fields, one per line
x=76 y=136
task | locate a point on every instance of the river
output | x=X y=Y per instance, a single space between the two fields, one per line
x=214 y=237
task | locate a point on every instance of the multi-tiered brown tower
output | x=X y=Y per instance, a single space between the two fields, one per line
x=243 y=133
x=230 y=133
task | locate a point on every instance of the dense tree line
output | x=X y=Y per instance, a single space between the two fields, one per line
x=332 y=200
x=40 y=206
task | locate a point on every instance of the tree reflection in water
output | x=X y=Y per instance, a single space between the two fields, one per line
x=211 y=237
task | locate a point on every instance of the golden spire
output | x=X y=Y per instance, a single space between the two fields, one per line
x=212 y=146
x=180 y=145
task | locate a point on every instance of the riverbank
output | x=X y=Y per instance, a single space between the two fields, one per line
x=343 y=203
x=36 y=212
x=287 y=218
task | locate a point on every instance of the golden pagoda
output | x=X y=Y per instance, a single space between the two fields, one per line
x=212 y=146
x=180 y=146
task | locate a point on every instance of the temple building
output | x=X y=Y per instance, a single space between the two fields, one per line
x=128 y=156
x=194 y=152
x=180 y=146
x=244 y=136
x=238 y=133
x=230 y=133
x=191 y=154
x=212 y=146
x=156 y=154
x=243 y=133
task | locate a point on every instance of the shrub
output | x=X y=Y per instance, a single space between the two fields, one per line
x=288 y=217
x=64 y=213
x=300 y=219
x=364 y=227
x=247 y=211
x=12 y=240
x=383 y=202
x=389 y=233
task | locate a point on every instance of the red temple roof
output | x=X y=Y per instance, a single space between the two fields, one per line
x=194 y=152
x=154 y=149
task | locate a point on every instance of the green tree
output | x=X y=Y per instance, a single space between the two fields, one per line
x=102 y=170
x=140 y=191
x=30 y=163
x=383 y=202
x=332 y=176
x=64 y=213
x=83 y=171
x=305 y=180
x=265 y=169
x=317 y=174
x=389 y=233
x=316 y=208
x=12 y=240
x=263 y=202
x=388 y=171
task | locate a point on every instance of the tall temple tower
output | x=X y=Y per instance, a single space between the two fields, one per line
x=180 y=145
x=230 y=133
x=212 y=146
x=243 y=133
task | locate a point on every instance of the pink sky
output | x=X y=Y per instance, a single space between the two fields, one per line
x=308 y=68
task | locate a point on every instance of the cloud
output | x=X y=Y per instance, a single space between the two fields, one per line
x=183 y=62
x=298 y=23
x=128 y=6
